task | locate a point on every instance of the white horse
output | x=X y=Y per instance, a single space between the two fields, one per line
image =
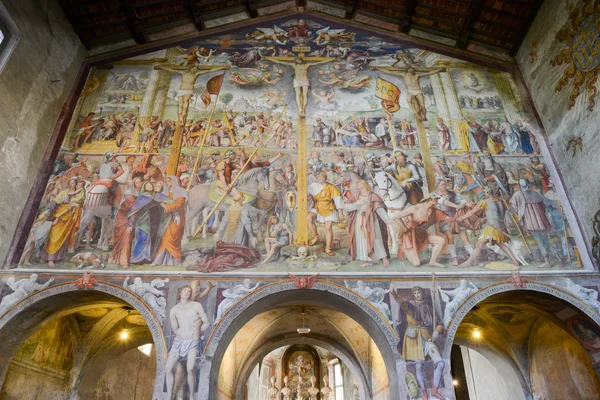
x=96 y=205
x=393 y=196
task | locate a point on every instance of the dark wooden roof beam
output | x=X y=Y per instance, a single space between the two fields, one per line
x=467 y=31
x=138 y=33
x=251 y=9
x=66 y=7
x=406 y=21
x=443 y=10
x=438 y=20
x=351 y=9
x=525 y=27
x=502 y=12
x=195 y=11
x=205 y=16
x=386 y=6
x=163 y=14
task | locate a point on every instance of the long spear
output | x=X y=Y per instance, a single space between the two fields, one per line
x=210 y=214
x=196 y=163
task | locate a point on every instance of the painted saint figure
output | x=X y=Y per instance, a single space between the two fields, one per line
x=188 y=321
x=420 y=337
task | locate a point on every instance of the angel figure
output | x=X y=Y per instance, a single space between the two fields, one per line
x=252 y=77
x=274 y=96
x=376 y=296
x=327 y=35
x=151 y=293
x=325 y=97
x=195 y=55
x=232 y=296
x=455 y=297
x=347 y=80
x=275 y=34
x=575 y=143
x=406 y=57
x=21 y=289
x=303 y=282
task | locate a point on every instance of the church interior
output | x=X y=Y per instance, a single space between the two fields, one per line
x=299 y=200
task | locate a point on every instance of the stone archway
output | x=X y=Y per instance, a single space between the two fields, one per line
x=358 y=370
x=505 y=366
x=26 y=316
x=491 y=290
x=326 y=293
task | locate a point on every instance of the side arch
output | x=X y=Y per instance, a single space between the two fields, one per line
x=491 y=290
x=26 y=316
x=322 y=293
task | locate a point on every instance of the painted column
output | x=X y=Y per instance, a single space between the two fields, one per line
x=164 y=81
x=452 y=104
x=147 y=107
x=507 y=96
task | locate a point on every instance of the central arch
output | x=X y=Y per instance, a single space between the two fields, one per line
x=325 y=293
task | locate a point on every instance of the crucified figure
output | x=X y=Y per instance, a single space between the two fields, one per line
x=188 y=81
x=414 y=95
x=301 y=82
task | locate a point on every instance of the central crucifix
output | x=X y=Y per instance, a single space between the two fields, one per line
x=189 y=75
x=301 y=64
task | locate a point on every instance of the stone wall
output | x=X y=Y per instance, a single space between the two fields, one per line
x=34 y=85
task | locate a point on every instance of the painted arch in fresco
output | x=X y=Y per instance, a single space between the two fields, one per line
x=300 y=145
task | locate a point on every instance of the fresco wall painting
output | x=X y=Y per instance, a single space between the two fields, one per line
x=300 y=145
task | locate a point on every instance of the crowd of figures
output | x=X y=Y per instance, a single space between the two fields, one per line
x=476 y=202
x=235 y=129
x=139 y=216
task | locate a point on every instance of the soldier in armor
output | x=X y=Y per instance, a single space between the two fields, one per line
x=408 y=176
x=109 y=172
x=493 y=233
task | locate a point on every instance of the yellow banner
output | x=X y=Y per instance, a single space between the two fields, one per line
x=389 y=95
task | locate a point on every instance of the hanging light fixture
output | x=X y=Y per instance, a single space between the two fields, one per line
x=304 y=330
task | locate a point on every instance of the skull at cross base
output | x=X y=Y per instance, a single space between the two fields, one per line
x=302 y=252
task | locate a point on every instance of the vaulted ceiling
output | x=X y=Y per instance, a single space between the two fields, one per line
x=465 y=24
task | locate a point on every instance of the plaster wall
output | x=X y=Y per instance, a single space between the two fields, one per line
x=483 y=379
x=34 y=85
x=550 y=345
x=130 y=376
x=565 y=98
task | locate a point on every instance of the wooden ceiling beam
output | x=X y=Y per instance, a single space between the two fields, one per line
x=251 y=9
x=351 y=10
x=66 y=7
x=525 y=27
x=134 y=22
x=406 y=20
x=195 y=11
x=467 y=31
x=443 y=10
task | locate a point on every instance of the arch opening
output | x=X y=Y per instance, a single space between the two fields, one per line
x=520 y=337
x=68 y=341
x=270 y=322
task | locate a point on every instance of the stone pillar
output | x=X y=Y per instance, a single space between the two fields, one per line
x=507 y=96
x=452 y=104
x=147 y=106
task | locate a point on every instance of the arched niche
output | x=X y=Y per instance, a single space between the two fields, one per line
x=358 y=371
x=514 y=365
x=57 y=301
x=327 y=294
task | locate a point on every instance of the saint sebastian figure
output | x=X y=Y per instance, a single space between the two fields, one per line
x=301 y=82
